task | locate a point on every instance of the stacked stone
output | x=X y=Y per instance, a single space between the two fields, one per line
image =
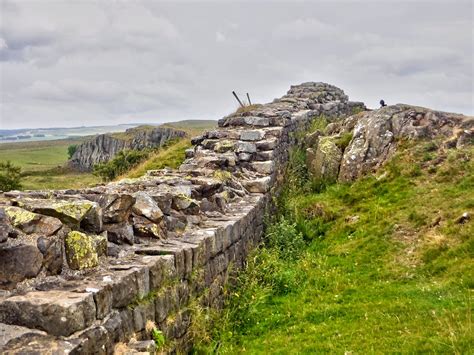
x=143 y=249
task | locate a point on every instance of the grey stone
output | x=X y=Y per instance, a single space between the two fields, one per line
x=18 y=263
x=256 y=121
x=260 y=185
x=59 y=313
x=246 y=147
x=145 y=206
x=254 y=135
x=263 y=167
x=120 y=233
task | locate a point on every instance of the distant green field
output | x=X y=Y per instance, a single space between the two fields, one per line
x=37 y=156
x=42 y=164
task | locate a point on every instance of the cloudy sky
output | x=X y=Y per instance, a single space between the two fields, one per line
x=84 y=62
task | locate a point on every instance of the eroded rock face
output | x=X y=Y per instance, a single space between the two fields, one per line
x=104 y=147
x=375 y=135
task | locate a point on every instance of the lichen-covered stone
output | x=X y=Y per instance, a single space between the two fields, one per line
x=70 y=212
x=81 y=251
x=323 y=160
x=30 y=222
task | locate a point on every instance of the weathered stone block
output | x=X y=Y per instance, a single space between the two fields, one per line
x=59 y=313
x=18 y=263
x=81 y=252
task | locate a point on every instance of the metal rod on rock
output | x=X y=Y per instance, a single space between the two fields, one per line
x=237 y=98
x=248 y=97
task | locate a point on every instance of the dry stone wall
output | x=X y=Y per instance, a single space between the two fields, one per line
x=82 y=270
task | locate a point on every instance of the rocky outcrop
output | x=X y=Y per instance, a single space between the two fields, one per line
x=375 y=136
x=104 y=147
x=173 y=236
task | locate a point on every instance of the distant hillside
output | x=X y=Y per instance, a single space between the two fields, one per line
x=104 y=147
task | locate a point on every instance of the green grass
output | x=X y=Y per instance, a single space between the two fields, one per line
x=42 y=164
x=375 y=274
x=170 y=156
x=37 y=156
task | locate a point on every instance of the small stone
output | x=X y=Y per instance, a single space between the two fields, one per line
x=253 y=135
x=256 y=121
x=245 y=157
x=147 y=207
x=81 y=251
x=246 y=147
x=120 y=233
x=263 y=167
x=261 y=185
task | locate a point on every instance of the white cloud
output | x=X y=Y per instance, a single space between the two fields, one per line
x=220 y=37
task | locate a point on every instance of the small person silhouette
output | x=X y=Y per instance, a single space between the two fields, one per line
x=382 y=103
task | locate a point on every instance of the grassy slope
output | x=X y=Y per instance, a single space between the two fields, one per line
x=170 y=156
x=376 y=275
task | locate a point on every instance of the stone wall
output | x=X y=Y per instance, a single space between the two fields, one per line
x=82 y=270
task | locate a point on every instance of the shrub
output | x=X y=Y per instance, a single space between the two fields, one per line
x=285 y=239
x=120 y=164
x=10 y=176
x=71 y=150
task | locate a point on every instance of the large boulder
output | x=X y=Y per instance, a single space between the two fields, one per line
x=323 y=159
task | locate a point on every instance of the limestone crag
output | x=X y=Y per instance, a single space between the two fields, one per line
x=374 y=137
x=104 y=147
x=171 y=235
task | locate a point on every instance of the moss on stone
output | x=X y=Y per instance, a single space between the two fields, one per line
x=75 y=209
x=19 y=216
x=222 y=175
x=81 y=251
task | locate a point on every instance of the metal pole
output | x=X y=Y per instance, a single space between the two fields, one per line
x=237 y=98
x=248 y=97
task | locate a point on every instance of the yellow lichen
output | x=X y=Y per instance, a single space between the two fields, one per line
x=19 y=216
x=80 y=251
x=222 y=175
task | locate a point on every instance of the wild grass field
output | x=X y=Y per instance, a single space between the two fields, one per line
x=42 y=164
x=381 y=265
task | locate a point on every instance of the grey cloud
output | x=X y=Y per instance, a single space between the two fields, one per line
x=95 y=62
